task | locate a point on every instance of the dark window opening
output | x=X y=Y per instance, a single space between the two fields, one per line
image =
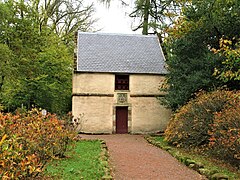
x=121 y=82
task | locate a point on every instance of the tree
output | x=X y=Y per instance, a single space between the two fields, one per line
x=63 y=17
x=190 y=61
x=229 y=72
x=155 y=15
x=142 y=11
x=38 y=56
x=190 y=66
x=44 y=81
x=5 y=63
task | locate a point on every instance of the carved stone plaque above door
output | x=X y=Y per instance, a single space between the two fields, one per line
x=122 y=98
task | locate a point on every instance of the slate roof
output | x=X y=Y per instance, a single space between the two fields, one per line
x=119 y=53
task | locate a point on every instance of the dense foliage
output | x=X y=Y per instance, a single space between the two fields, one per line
x=190 y=125
x=36 y=47
x=195 y=50
x=191 y=67
x=225 y=132
x=28 y=141
x=211 y=123
x=230 y=56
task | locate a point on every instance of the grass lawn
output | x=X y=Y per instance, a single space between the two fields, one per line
x=83 y=162
x=209 y=166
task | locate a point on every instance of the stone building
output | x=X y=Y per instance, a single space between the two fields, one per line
x=115 y=84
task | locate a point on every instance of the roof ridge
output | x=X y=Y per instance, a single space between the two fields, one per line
x=117 y=34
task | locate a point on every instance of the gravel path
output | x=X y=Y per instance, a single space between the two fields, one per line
x=132 y=158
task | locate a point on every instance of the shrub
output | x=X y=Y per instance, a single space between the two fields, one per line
x=28 y=141
x=189 y=127
x=17 y=162
x=225 y=132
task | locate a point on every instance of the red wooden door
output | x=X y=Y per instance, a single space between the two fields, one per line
x=121 y=120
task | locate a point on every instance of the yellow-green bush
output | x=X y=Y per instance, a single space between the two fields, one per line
x=28 y=141
x=190 y=125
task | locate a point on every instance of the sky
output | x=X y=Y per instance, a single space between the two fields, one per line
x=114 y=19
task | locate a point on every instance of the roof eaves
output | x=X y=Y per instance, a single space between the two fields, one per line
x=119 y=72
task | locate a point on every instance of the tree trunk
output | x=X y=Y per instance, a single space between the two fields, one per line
x=1 y=83
x=146 y=17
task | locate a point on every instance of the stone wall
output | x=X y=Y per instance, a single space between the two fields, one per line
x=95 y=100
x=148 y=115
x=95 y=113
x=145 y=84
x=99 y=83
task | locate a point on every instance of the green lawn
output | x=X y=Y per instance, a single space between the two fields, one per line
x=84 y=162
x=209 y=166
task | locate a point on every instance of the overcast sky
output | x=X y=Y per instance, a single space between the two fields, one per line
x=114 y=19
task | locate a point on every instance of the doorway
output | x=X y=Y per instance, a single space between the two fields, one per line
x=121 y=120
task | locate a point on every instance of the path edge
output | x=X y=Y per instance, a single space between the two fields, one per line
x=187 y=161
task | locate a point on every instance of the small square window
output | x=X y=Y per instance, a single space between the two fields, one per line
x=121 y=82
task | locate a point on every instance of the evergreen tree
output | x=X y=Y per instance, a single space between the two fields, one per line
x=191 y=60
